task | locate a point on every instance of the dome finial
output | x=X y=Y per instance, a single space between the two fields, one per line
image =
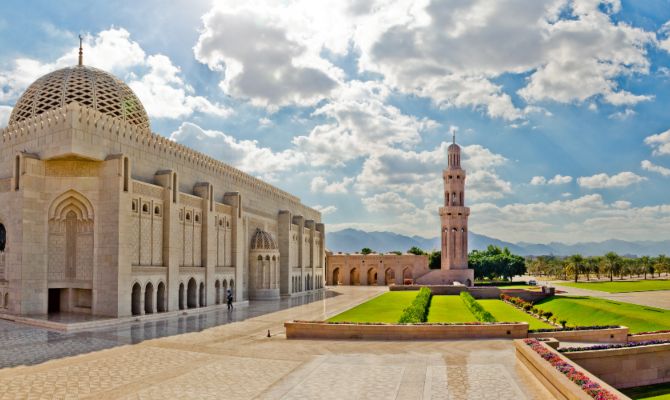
x=453 y=136
x=81 y=51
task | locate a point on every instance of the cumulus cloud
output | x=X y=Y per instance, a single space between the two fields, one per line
x=604 y=181
x=387 y=202
x=649 y=166
x=623 y=115
x=154 y=78
x=321 y=185
x=360 y=123
x=268 y=67
x=556 y=180
x=325 y=210
x=582 y=219
x=660 y=143
x=246 y=155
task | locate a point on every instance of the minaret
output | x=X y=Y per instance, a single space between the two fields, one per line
x=454 y=214
x=81 y=51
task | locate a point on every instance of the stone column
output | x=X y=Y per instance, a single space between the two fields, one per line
x=238 y=242
x=205 y=191
x=171 y=238
x=284 y=243
x=300 y=221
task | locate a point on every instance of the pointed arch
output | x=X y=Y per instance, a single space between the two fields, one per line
x=71 y=200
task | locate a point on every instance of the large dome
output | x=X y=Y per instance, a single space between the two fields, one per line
x=90 y=87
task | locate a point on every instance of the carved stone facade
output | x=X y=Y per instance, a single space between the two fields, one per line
x=98 y=215
x=374 y=269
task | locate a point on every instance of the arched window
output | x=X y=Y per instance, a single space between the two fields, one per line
x=3 y=237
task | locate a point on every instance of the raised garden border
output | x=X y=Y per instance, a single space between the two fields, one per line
x=426 y=331
x=564 y=379
x=646 y=336
x=598 y=335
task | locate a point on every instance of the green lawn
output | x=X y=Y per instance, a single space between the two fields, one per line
x=504 y=312
x=449 y=309
x=384 y=308
x=584 y=311
x=621 y=286
x=652 y=392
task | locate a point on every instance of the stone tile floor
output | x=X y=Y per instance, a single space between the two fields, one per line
x=236 y=360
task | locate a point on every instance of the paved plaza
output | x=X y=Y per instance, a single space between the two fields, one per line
x=230 y=356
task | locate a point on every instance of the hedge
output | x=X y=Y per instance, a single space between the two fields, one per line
x=476 y=309
x=417 y=312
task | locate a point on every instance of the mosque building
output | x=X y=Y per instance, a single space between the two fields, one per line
x=98 y=215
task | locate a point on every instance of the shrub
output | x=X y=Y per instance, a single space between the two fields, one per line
x=476 y=309
x=527 y=307
x=548 y=314
x=417 y=312
x=563 y=323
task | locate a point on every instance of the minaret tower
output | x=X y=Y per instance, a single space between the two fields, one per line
x=454 y=217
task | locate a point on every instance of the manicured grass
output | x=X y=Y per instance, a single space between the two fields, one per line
x=449 y=309
x=585 y=311
x=504 y=312
x=652 y=392
x=385 y=308
x=622 y=286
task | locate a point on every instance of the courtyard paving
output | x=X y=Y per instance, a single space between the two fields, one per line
x=235 y=359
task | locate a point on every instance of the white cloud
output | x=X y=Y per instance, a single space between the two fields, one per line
x=538 y=180
x=270 y=66
x=659 y=142
x=5 y=112
x=325 y=210
x=623 y=115
x=388 y=202
x=603 y=181
x=246 y=155
x=556 y=180
x=649 y=166
x=588 y=218
x=161 y=88
x=165 y=95
x=360 y=123
x=321 y=185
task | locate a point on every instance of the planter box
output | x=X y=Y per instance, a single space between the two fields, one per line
x=558 y=384
x=649 y=336
x=609 y=335
x=627 y=367
x=322 y=330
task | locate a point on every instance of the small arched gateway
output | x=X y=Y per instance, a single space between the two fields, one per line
x=264 y=268
x=336 y=277
x=192 y=294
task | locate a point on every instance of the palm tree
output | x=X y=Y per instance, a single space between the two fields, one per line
x=645 y=265
x=661 y=263
x=612 y=264
x=574 y=265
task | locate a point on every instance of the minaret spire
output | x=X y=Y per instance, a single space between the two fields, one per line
x=453 y=133
x=81 y=51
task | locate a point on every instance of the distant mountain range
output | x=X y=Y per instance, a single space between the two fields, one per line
x=352 y=240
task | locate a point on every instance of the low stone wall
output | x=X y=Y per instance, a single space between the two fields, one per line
x=323 y=330
x=649 y=336
x=609 y=335
x=556 y=382
x=627 y=367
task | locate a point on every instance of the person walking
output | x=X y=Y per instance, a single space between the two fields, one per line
x=229 y=299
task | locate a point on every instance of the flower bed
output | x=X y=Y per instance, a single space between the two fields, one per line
x=577 y=376
x=613 y=346
x=645 y=336
x=529 y=308
x=575 y=328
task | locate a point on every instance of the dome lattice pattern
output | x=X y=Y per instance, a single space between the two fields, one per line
x=90 y=87
x=263 y=241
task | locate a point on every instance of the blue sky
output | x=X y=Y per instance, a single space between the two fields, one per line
x=560 y=106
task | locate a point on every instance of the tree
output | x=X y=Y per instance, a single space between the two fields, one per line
x=495 y=263
x=366 y=250
x=661 y=263
x=416 y=251
x=574 y=265
x=612 y=264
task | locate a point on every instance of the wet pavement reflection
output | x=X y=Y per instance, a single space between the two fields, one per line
x=26 y=345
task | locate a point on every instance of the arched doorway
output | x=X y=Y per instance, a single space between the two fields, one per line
x=354 y=277
x=202 y=298
x=336 y=277
x=149 y=299
x=389 y=276
x=232 y=289
x=372 y=276
x=217 y=292
x=224 y=291
x=136 y=300
x=407 y=276
x=182 y=304
x=160 y=298
x=191 y=294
